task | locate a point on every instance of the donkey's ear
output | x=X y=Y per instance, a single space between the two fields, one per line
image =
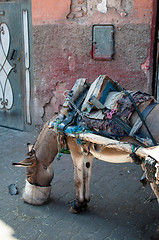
x=30 y=149
x=28 y=162
x=29 y=146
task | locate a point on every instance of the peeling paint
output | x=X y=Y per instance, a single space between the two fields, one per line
x=44 y=108
x=78 y=9
x=102 y=6
x=71 y=63
x=123 y=7
x=146 y=65
x=50 y=108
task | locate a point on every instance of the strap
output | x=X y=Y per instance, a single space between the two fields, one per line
x=138 y=112
x=149 y=108
x=138 y=124
x=74 y=110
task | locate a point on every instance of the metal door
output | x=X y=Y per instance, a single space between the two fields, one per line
x=12 y=65
x=103 y=42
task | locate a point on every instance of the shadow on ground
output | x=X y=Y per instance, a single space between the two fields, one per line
x=120 y=208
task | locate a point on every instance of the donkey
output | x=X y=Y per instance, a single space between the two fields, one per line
x=39 y=173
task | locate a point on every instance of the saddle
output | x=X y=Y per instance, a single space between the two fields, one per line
x=104 y=108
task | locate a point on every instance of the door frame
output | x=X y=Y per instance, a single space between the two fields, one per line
x=155 y=52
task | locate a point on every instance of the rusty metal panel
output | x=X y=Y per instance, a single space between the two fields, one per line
x=103 y=42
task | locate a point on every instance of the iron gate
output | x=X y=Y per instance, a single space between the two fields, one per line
x=14 y=66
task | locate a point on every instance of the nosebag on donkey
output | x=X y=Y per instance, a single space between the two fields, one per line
x=101 y=120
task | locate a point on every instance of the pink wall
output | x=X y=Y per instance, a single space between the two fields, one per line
x=62 y=40
x=46 y=11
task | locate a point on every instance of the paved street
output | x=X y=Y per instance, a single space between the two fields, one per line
x=120 y=208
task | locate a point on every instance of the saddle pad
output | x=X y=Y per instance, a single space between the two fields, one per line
x=124 y=110
x=110 y=103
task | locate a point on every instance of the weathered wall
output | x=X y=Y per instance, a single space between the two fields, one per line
x=62 y=40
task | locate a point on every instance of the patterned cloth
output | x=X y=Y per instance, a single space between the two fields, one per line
x=124 y=110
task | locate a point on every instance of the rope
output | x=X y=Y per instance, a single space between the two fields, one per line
x=138 y=160
x=58 y=139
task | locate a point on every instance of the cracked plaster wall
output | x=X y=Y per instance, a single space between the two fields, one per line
x=63 y=43
x=81 y=8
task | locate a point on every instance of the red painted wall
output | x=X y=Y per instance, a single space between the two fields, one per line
x=62 y=40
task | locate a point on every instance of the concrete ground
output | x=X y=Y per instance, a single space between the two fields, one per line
x=120 y=208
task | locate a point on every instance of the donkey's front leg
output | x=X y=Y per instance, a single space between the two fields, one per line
x=82 y=177
x=88 y=162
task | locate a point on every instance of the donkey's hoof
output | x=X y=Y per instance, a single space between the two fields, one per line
x=36 y=195
x=77 y=207
x=73 y=210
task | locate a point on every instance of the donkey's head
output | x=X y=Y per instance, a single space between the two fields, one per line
x=37 y=172
x=40 y=156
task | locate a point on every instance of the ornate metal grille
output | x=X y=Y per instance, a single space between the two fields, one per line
x=6 y=92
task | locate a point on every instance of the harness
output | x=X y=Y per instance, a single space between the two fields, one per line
x=79 y=116
x=118 y=123
x=73 y=113
x=94 y=112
